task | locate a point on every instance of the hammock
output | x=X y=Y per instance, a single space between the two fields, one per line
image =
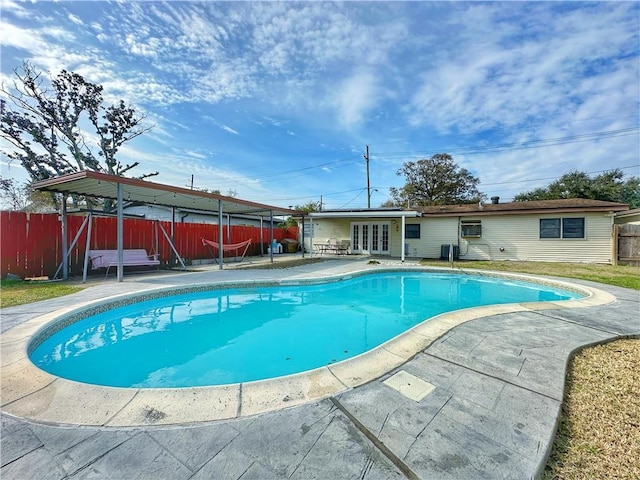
x=228 y=247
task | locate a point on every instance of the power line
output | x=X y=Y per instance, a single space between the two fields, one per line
x=313 y=167
x=479 y=149
x=314 y=196
x=556 y=177
x=288 y=174
x=345 y=204
x=470 y=150
x=376 y=188
x=619 y=115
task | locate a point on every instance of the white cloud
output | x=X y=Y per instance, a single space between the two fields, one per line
x=195 y=154
x=15 y=8
x=229 y=129
x=26 y=39
x=75 y=19
x=512 y=77
x=290 y=76
x=355 y=97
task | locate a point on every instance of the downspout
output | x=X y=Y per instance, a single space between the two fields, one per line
x=460 y=239
x=402 y=239
x=302 y=235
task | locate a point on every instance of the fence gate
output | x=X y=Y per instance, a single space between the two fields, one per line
x=628 y=244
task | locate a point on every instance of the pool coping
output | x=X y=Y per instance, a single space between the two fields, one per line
x=33 y=394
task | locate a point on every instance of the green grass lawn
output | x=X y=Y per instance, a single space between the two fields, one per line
x=18 y=292
x=618 y=275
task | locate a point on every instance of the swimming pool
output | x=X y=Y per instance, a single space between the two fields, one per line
x=232 y=335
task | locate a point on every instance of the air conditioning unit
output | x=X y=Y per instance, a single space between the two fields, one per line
x=444 y=252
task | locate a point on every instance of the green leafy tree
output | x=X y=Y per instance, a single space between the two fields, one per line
x=309 y=207
x=630 y=193
x=47 y=123
x=608 y=186
x=435 y=181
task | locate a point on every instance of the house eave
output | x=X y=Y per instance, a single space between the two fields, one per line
x=537 y=211
x=366 y=214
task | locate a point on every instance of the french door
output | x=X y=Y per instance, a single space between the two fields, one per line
x=370 y=237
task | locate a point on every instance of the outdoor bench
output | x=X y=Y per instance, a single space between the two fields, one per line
x=130 y=258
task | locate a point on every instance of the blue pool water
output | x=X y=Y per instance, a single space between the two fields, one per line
x=238 y=335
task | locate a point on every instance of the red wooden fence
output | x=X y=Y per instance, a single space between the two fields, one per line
x=31 y=244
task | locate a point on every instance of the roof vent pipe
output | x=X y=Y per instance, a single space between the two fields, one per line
x=495 y=200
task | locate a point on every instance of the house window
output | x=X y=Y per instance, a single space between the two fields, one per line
x=562 y=228
x=549 y=228
x=573 y=228
x=412 y=230
x=471 y=228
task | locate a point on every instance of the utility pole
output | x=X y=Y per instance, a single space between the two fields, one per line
x=366 y=157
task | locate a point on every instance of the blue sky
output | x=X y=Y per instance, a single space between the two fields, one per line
x=276 y=101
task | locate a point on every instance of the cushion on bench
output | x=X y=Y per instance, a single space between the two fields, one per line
x=133 y=257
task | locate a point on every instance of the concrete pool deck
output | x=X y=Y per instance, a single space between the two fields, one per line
x=480 y=399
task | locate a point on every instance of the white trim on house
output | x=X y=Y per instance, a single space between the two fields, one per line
x=368 y=218
x=366 y=213
x=496 y=231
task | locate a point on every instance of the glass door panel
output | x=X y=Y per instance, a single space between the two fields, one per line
x=384 y=241
x=375 y=238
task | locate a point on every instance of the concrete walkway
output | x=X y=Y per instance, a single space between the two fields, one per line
x=498 y=384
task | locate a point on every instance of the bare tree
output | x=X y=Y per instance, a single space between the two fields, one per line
x=43 y=119
x=18 y=197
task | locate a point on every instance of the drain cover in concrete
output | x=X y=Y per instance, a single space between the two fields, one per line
x=409 y=385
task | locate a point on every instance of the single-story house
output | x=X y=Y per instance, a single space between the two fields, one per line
x=567 y=230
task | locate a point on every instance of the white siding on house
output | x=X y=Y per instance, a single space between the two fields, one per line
x=517 y=237
x=326 y=228
x=504 y=237
x=433 y=233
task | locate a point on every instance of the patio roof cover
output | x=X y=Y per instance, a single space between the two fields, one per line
x=94 y=184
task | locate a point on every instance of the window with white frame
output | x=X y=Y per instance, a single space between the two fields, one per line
x=470 y=229
x=562 y=228
x=412 y=230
